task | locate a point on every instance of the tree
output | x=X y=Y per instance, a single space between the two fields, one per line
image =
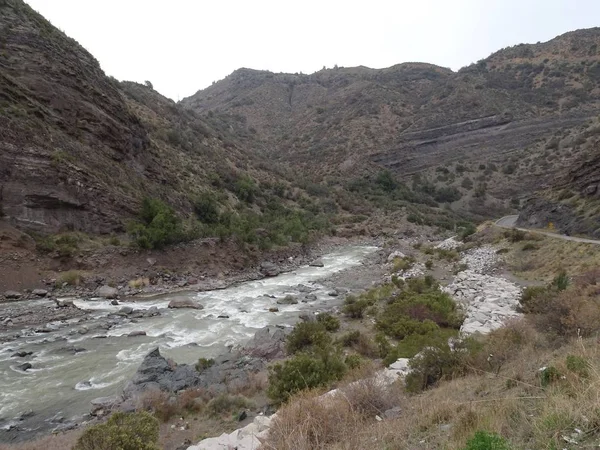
x=149 y=84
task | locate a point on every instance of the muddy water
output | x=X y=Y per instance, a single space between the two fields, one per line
x=61 y=383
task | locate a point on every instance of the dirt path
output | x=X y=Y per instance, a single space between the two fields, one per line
x=509 y=222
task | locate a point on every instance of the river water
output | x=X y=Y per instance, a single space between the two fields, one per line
x=60 y=385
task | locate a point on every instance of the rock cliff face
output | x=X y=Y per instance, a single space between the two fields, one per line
x=79 y=150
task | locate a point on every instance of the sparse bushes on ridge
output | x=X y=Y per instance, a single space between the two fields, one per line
x=136 y=431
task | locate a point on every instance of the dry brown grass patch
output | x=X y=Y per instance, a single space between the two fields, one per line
x=63 y=441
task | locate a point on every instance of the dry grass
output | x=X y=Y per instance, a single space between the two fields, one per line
x=505 y=395
x=139 y=283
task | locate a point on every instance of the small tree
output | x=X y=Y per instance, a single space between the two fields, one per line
x=149 y=84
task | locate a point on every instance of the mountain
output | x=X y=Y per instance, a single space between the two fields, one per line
x=80 y=150
x=414 y=118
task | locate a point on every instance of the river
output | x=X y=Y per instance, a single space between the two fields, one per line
x=60 y=384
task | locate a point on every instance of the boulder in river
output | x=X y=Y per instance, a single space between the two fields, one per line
x=268 y=343
x=185 y=303
x=21 y=354
x=152 y=311
x=155 y=372
x=114 y=302
x=125 y=310
x=64 y=302
x=137 y=333
x=288 y=300
x=310 y=297
x=107 y=292
x=24 y=367
x=269 y=269
x=12 y=295
x=317 y=263
x=40 y=292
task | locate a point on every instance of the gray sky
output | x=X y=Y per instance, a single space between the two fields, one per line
x=182 y=46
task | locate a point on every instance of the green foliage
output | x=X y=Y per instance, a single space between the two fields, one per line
x=439 y=363
x=466 y=229
x=350 y=338
x=531 y=298
x=355 y=307
x=386 y=181
x=307 y=335
x=401 y=264
x=137 y=431
x=353 y=361
x=549 y=375
x=429 y=264
x=246 y=189
x=446 y=194
x=561 y=281
x=304 y=371
x=414 y=343
x=414 y=312
x=578 y=365
x=467 y=183
x=158 y=225
x=65 y=245
x=482 y=440
x=206 y=208
x=528 y=246
x=204 y=363
x=331 y=323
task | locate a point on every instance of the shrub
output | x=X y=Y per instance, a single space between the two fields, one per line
x=529 y=246
x=369 y=397
x=578 y=365
x=353 y=361
x=350 y=338
x=206 y=208
x=159 y=225
x=561 y=281
x=71 y=278
x=226 y=404
x=549 y=375
x=306 y=335
x=304 y=371
x=204 y=364
x=330 y=322
x=401 y=264
x=355 y=308
x=245 y=188
x=482 y=440
x=429 y=264
x=137 y=431
x=515 y=235
x=467 y=230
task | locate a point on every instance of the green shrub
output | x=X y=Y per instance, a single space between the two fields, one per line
x=137 y=431
x=466 y=230
x=561 y=281
x=307 y=335
x=353 y=361
x=578 y=365
x=401 y=264
x=204 y=364
x=439 y=363
x=549 y=375
x=515 y=235
x=246 y=189
x=331 y=323
x=159 y=225
x=206 y=208
x=414 y=343
x=350 y=338
x=355 y=308
x=533 y=298
x=482 y=440
x=429 y=264
x=304 y=371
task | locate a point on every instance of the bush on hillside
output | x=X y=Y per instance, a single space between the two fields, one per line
x=307 y=335
x=158 y=225
x=331 y=323
x=304 y=371
x=483 y=440
x=355 y=307
x=206 y=208
x=137 y=431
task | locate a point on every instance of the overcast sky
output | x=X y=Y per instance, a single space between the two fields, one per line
x=182 y=46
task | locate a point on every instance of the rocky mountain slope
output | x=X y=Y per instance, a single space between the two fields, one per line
x=79 y=150
x=348 y=122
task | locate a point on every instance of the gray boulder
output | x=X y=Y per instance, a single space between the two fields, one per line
x=152 y=311
x=107 y=292
x=24 y=367
x=269 y=269
x=64 y=302
x=317 y=263
x=268 y=343
x=40 y=292
x=185 y=303
x=310 y=297
x=125 y=310
x=288 y=300
x=102 y=405
x=155 y=372
x=13 y=295
x=137 y=333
